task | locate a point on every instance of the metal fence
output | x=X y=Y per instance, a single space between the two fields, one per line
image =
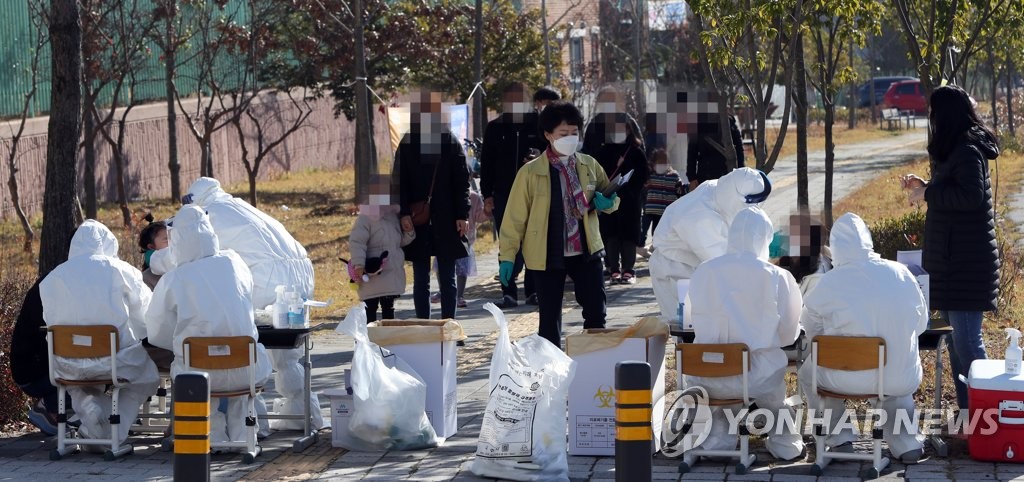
x=17 y=44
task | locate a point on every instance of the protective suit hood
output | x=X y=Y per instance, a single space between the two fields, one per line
x=732 y=190
x=192 y=235
x=93 y=238
x=751 y=232
x=850 y=240
x=205 y=190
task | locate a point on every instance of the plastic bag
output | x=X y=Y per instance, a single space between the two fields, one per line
x=388 y=398
x=522 y=436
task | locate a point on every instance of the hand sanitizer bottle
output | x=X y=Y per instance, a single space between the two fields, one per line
x=280 y=308
x=1013 y=353
x=295 y=318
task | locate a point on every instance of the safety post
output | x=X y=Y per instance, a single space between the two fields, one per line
x=633 y=433
x=191 y=427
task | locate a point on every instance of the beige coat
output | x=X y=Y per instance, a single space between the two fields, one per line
x=369 y=238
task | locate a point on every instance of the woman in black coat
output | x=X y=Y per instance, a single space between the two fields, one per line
x=960 y=251
x=431 y=166
x=613 y=139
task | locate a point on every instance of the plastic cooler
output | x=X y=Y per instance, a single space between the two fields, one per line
x=1000 y=398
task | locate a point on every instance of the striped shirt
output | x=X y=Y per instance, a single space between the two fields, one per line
x=661 y=191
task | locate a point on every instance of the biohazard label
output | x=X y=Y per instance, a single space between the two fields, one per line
x=507 y=428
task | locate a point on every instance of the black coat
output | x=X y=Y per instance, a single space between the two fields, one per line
x=506 y=146
x=28 y=343
x=960 y=250
x=704 y=160
x=624 y=223
x=415 y=163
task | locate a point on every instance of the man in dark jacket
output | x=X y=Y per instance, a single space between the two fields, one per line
x=509 y=142
x=29 y=363
x=431 y=168
x=706 y=158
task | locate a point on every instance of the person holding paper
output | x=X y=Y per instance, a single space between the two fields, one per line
x=553 y=217
x=612 y=139
x=695 y=229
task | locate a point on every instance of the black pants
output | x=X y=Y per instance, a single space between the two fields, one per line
x=387 y=308
x=585 y=272
x=511 y=289
x=617 y=250
x=650 y=223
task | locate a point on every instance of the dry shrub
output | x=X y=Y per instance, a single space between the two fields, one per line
x=12 y=400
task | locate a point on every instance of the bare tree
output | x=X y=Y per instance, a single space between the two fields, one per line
x=168 y=40
x=37 y=19
x=59 y=200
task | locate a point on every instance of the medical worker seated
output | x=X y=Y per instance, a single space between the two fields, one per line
x=275 y=258
x=865 y=295
x=695 y=229
x=208 y=294
x=94 y=287
x=740 y=297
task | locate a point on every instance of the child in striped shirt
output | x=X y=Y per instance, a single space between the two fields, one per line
x=663 y=188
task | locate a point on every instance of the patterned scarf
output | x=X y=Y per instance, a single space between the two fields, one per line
x=575 y=205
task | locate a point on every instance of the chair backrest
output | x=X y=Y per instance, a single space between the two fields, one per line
x=850 y=353
x=219 y=352
x=713 y=360
x=84 y=341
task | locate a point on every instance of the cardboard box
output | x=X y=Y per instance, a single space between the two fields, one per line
x=429 y=347
x=912 y=260
x=341 y=411
x=592 y=392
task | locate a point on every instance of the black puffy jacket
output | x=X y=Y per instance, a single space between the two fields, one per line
x=960 y=250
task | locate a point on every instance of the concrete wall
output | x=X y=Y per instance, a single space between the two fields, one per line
x=325 y=142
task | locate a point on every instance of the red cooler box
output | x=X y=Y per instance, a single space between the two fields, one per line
x=1001 y=398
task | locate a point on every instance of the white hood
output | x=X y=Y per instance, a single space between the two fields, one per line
x=93 y=238
x=850 y=240
x=733 y=188
x=751 y=232
x=191 y=235
x=205 y=190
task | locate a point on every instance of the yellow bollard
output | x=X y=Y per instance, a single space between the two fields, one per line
x=633 y=434
x=192 y=427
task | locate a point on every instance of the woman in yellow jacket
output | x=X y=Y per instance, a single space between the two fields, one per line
x=552 y=216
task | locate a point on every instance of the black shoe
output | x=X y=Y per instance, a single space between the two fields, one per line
x=508 y=302
x=532 y=300
x=460 y=343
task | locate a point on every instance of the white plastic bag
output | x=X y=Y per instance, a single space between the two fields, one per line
x=388 y=399
x=523 y=432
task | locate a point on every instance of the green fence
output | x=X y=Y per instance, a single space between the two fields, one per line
x=17 y=43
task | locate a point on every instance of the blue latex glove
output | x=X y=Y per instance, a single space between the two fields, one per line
x=505 y=272
x=601 y=203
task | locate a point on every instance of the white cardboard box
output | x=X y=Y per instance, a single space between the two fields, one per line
x=592 y=393
x=341 y=411
x=434 y=362
x=912 y=260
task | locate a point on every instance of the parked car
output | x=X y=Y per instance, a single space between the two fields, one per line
x=881 y=86
x=906 y=95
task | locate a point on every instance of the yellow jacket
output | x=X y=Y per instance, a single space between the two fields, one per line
x=525 y=224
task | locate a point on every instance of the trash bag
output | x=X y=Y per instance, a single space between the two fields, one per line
x=388 y=397
x=522 y=436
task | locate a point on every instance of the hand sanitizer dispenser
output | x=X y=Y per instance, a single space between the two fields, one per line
x=1013 y=352
x=280 y=308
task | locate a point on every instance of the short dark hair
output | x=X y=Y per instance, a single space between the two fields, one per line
x=558 y=112
x=546 y=93
x=148 y=234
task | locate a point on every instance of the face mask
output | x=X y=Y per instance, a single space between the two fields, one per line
x=661 y=168
x=618 y=137
x=567 y=145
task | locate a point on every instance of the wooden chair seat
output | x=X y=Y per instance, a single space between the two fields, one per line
x=84 y=383
x=234 y=393
x=721 y=402
x=830 y=394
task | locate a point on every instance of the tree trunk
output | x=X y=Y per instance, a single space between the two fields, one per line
x=206 y=161
x=830 y=158
x=800 y=102
x=994 y=90
x=252 y=186
x=12 y=185
x=64 y=127
x=365 y=154
x=1010 y=123
x=122 y=192
x=478 y=71
x=89 y=173
x=172 y=116
x=851 y=107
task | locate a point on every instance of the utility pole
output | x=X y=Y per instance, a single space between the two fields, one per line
x=638 y=87
x=547 y=44
x=478 y=72
x=365 y=158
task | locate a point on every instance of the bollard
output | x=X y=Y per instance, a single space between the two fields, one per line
x=191 y=427
x=633 y=433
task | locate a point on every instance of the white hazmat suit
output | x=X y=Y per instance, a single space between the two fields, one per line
x=695 y=228
x=740 y=297
x=208 y=294
x=865 y=295
x=275 y=258
x=94 y=287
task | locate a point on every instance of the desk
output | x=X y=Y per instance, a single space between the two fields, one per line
x=287 y=339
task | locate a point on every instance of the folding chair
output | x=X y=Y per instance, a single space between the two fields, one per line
x=163 y=412
x=716 y=361
x=848 y=353
x=78 y=342
x=227 y=353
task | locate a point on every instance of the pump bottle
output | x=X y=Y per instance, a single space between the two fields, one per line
x=1013 y=352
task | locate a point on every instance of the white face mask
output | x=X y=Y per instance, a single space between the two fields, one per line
x=567 y=145
x=618 y=137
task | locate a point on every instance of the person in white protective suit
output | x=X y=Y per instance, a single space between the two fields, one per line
x=94 y=287
x=695 y=228
x=865 y=295
x=209 y=293
x=275 y=258
x=740 y=297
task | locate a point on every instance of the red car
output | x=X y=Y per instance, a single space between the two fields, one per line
x=906 y=95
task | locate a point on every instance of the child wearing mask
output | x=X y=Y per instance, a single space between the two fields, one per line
x=663 y=188
x=377 y=231
x=151 y=238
